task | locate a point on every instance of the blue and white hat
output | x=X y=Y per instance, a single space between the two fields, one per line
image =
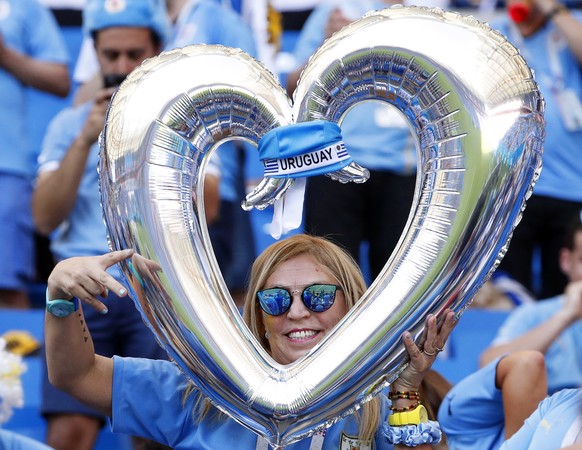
x=298 y=151
x=101 y=14
x=303 y=150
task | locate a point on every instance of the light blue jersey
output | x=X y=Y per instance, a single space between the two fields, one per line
x=30 y=29
x=147 y=401
x=563 y=358
x=206 y=22
x=83 y=232
x=471 y=414
x=556 y=423
x=376 y=135
x=13 y=441
x=554 y=63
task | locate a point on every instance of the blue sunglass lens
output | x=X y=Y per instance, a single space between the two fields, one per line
x=319 y=297
x=274 y=301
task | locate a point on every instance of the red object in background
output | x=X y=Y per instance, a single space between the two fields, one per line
x=518 y=12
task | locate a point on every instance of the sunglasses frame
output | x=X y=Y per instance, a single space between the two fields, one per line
x=302 y=295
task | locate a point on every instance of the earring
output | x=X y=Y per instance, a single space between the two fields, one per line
x=267 y=335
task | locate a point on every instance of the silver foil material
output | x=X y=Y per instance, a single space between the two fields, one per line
x=477 y=114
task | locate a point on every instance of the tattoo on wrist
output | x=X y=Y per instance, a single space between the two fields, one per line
x=84 y=326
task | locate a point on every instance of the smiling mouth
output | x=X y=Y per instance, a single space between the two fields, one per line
x=302 y=335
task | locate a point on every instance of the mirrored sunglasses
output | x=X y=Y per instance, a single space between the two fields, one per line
x=317 y=298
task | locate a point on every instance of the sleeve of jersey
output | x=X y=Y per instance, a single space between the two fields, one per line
x=47 y=42
x=147 y=400
x=60 y=134
x=520 y=321
x=525 y=434
x=549 y=423
x=473 y=408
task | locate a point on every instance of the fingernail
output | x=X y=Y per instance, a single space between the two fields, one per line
x=122 y=291
x=104 y=311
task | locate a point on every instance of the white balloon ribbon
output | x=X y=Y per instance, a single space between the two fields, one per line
x=477 y=114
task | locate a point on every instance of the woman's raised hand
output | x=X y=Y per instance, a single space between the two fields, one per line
x=86 y=278
x=422 y=357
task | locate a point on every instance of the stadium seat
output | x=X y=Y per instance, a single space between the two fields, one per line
x=474 y=332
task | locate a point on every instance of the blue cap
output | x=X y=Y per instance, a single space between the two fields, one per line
x=303 y=149
x=152 y=14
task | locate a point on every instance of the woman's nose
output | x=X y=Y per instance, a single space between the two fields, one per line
x=298 y=308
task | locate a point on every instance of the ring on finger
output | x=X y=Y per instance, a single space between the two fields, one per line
x=429 y=354
x=438 y=349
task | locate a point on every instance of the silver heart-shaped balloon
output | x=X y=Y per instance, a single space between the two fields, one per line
x=475 y=109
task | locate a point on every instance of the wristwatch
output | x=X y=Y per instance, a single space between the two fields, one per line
x=59 y=307
x=414 y=417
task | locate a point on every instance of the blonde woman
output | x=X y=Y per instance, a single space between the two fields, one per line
x=299 y=289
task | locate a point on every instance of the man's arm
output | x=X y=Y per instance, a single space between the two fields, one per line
x=522 y=379
x=566 y=22
x=56 y=190
x=45 y=76
x=543 y=336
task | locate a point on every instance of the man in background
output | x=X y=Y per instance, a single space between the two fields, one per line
x=32 y=54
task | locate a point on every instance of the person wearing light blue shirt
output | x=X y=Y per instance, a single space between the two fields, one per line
x=547 y=35
x=377 y=137
x=83 y=232
x=557 y=423
x=156 y=399
x=504 y=406
x=174 y=423
x=32 y=54
x=552 y=326
x=489 y=406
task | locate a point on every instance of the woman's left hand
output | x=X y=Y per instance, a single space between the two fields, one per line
x=422 y=358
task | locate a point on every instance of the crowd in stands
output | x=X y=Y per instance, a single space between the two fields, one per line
x=51 y=211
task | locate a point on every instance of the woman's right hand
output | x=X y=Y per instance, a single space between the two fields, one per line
x=86 y=278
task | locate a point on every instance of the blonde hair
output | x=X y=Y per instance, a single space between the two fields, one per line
x=340 y=266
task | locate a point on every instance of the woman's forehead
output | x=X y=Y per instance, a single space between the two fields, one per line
x=300 y=269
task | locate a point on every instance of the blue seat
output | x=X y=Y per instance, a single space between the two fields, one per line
x=476 y=329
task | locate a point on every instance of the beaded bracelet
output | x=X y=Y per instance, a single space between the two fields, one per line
x=404 y=408
x=413 y=435
x=412 y=395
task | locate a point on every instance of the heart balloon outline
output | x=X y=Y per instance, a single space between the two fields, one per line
x=479 y=125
